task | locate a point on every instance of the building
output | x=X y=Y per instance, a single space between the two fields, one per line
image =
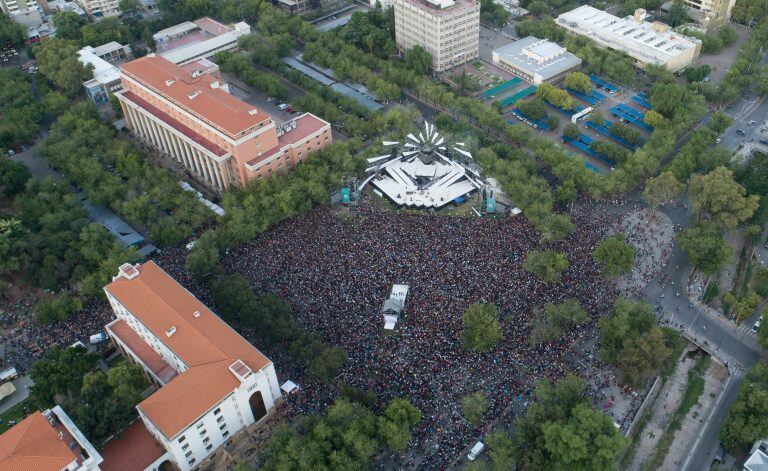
x=648 y=43
x=51 y=7
x=211 y=382
x=710 y=14
x=193 y=40
x=25 y=12
x=448 y=29
x=758 y=457
x=47 y=441
x=98 y=9
x=536 y=60
x=106 y=75
x=189 y=115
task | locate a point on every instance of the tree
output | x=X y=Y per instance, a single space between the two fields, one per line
x=550 y=322
x=615 y=255
x=547 y=265
x=501 y=451
x=555 y=96
x=474 y=407
x=323 y=361
x=395 y=425
x=719 y=197
x=128 y=5
x=678 y=14
x=481 y=327
x=68 y=25
x=578 y=81
x=12 y=235
x=60 y=372
x=59 y=308
x=58 y=61
x=10 y=31
x=571 y=131
x=534 y=109
x=746 y=305
x=629 y=320
x=13 y=176
x=597 y=117
x=663 y=188
x=747 y=419
x=760 y=281
x=654 y=119
x=560 y=431
x=418 y=60
x=203 y=260
x=641 y=356
x=705 y=247
x=666 y=98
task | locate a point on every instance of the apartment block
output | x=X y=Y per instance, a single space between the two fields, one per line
x=187 y=113
x=24 y=12
x=212 y=383
x=47 y=441
x=448 y=29
x=97 y=9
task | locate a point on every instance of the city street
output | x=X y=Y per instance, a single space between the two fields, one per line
x=746 y=110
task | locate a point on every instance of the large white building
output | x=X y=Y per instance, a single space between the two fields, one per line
x=536 y=60
x=649 y=43
x=24 y=12
x=194 y=40
x=106 y=75
x=447 y=29
x=709 y=13
x=211 y=382
x=100 y=8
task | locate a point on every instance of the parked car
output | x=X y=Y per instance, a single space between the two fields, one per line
x=756 y=327
x=282 y=106
x=270 y=100
x=752 y=122
x=718 y=140
x=741 y=131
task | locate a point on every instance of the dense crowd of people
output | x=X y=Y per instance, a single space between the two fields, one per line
x=336 y=272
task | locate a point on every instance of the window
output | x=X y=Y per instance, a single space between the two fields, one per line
x=208 y=448
x=200 y=425
x=220 y=419
x=192 y=461
x=225 y=434
x=206 y=440
x=182 y=438
x=203 y=432
x=217 y=411
x=188 y=454
x=186 y=445
x=222 y=426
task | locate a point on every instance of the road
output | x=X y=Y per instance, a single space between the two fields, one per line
x=743 y=111
x=22 y=384
x=735 y=346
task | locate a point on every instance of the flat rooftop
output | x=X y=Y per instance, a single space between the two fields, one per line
x=538 y=56
x=645 y=41
x=103 y=71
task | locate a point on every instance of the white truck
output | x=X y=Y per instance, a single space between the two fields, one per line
x=475 y=451
x=98 y=338
x=6 y=390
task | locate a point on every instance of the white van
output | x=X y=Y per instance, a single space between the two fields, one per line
x=282 y=106
x=9 y=374
x=475 y=451
x=98 y=338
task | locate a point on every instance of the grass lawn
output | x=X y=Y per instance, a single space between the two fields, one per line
x=15 y=414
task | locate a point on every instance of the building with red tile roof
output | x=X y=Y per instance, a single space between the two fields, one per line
x=211 y=381
x=189 y=115
x=47 y=441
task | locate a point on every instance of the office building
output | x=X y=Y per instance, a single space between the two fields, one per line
x=106 y=75
x=711 y=14
x=212 y=383
x=193 y=40
x=51 y=7
x=25 y=12
x=447 y=29
x=97 y=9
x=648 y=43
x=536 y=60
x=47 y=441
x=188 y=114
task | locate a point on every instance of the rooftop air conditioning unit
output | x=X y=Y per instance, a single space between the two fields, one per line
x=170 y=331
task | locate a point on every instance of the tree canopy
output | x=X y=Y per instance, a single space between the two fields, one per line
x=663 y=188
x=705 y=247
x=550 y=322
x=747 y=420
x=615 y=255
x=482 y=330
x=717 y=196
x=547 y=265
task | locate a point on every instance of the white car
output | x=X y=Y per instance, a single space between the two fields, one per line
x=718 y=140
x=752 y=123
x=756 y=327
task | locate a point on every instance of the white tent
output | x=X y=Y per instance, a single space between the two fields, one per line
x=288 y=387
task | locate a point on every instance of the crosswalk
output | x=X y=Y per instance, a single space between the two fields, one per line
x=747 y=329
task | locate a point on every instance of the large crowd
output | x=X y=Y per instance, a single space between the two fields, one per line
x=336 y=272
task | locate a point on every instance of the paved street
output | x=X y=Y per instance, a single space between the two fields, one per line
x=22 y=385
x=736 y=346
x=744 y=111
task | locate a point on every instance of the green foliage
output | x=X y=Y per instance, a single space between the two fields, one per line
x=571 y=131
x=20 y=111
x=578 y=81
x=345 y=438
x=753 y=174
x=550 y=322
x=482 y=330
x=60 y=373
x=616 y=256
x=59 y=308
x=625 y=132
x=760 y=281
x=560 y=431
x=534 y=108
x=654 y=119
x=547 y=265
x=677 y=14
x=501 y=451
x=474 y=407
x=12 y=235
x=698 y=155
x=240 y=66
x=697 y=74
x=10 y=31
x=642 y=356
x=13 y=177
x=493 y=14
x=712 y=43
x=718 y=197
x=58 y=60
x=663 y=188
x=395 y=424
x=747 y=420
x=68 y=24
x=705 y=247
x=746 y=305
x=611 y=151
x=323 y=361
x=556 y=96
x=418 y=60
x=713 y=291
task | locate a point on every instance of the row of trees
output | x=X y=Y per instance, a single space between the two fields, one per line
x=346 y=437
x=114 y=173
x=101 y=404
x=747 y=420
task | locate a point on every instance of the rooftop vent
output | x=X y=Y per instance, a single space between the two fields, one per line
x=253 y=112
x=196 y=314
x=215 y=84
x=128 y=271
x=169 y=82
x=170 y=331
x=194 y=94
